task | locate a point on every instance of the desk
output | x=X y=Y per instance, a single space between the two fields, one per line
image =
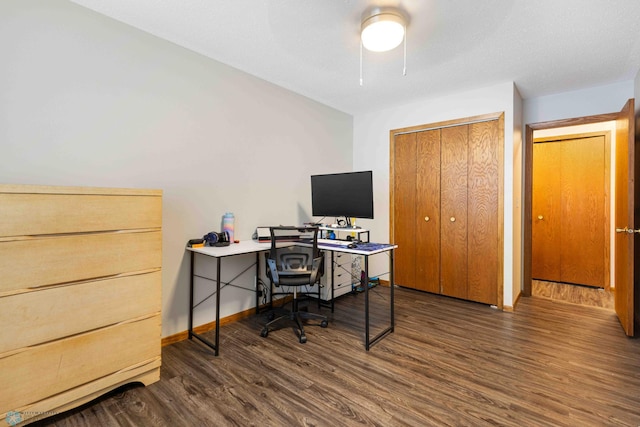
x=242 y=248
x=248 y=247
x=367 y=250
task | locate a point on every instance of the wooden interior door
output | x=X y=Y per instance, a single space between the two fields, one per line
x=582 y=213
x=626 y=218
x=427 y=226
x=453 y=196
x=570 y=210
x=447 y=207
x=546 y=201
x=404 y=209
x=482 y=212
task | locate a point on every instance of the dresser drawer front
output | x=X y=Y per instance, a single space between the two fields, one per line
x=35 y=317
x=37 y=214
x=31 y=374
x=45 y=261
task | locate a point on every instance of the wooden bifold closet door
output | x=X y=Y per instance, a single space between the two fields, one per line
x=446 y=210
x=570 y=211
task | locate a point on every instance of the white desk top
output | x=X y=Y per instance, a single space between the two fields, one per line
x=360 y=249
x=251 y=246
x=244 y=247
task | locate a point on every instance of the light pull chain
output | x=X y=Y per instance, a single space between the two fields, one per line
x=360 y=61
x=404 y=65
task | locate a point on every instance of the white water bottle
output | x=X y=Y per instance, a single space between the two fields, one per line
x=228 y=224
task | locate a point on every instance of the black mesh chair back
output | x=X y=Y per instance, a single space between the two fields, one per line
x=294 y=261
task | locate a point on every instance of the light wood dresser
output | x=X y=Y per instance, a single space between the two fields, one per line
x=80 y=295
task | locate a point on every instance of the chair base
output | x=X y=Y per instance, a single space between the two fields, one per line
x=296 y=316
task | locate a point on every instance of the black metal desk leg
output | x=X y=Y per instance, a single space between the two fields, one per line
x=257 y=282
x=392 y=284
x=332 y=282
x=366 y=302
x=368 y=340
x=193 y=255
x=192 y=334
x=217 y=344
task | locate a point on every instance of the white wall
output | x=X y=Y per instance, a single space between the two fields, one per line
x=518 y=191
x=371 y=151
x=88 y=101
x=587 y=102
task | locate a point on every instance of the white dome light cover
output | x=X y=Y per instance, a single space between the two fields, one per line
x=383 y=30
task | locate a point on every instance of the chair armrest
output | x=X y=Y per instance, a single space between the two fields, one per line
x=271 y=263
x=317 y=262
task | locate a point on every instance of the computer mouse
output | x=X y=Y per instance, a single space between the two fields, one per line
x=352 y=245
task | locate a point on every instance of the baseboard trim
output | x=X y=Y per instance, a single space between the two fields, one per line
x=512 y=308
x=181 y=336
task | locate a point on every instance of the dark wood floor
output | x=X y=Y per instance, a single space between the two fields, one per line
x=574 y=294
x=449 y=362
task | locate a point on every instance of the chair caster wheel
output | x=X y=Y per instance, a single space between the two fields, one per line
x=303 y=339
x=264 y=332
x=271 y=316
x=324 y=324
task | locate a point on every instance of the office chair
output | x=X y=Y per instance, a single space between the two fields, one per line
x=294 y=265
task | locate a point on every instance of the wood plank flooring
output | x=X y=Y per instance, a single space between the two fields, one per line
x=573 y=294
x=449 y=362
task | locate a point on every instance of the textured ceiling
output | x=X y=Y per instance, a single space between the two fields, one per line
x=312 y=47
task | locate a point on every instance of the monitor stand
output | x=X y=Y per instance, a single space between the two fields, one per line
x=348 y=223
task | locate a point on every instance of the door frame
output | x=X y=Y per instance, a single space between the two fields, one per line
x=528 y=185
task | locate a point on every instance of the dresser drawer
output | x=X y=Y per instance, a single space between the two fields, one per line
x=39 y=316
x=55 y=213
x=46 y=261
x=34 y=373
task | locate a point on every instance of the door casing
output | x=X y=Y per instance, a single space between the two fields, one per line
x=527 y=184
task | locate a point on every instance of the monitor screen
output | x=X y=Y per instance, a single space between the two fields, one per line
x=343 y=194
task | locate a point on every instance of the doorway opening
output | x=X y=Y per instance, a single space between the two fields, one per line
x=571 y=214
x=626 y=218
x=557 y=288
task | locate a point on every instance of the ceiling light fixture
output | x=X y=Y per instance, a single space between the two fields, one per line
x=383 y=29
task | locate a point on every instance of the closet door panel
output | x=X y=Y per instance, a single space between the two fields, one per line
x=428 y=211
x=404 y=209
x=454 y=154
x=546 y=202
x=582 y=211
x=482 y=210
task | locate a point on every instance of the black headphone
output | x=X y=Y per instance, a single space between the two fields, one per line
x=217 y=239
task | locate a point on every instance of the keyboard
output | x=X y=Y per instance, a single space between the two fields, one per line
x=334 y=242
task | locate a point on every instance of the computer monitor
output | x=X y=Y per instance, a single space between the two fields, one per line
x=348 y=195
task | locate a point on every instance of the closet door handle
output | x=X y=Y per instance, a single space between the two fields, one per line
x=540 y=217
x=426 y=218
x=452 y=219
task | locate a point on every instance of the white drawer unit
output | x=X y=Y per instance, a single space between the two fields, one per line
x=347 y=267
x=342 y=275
